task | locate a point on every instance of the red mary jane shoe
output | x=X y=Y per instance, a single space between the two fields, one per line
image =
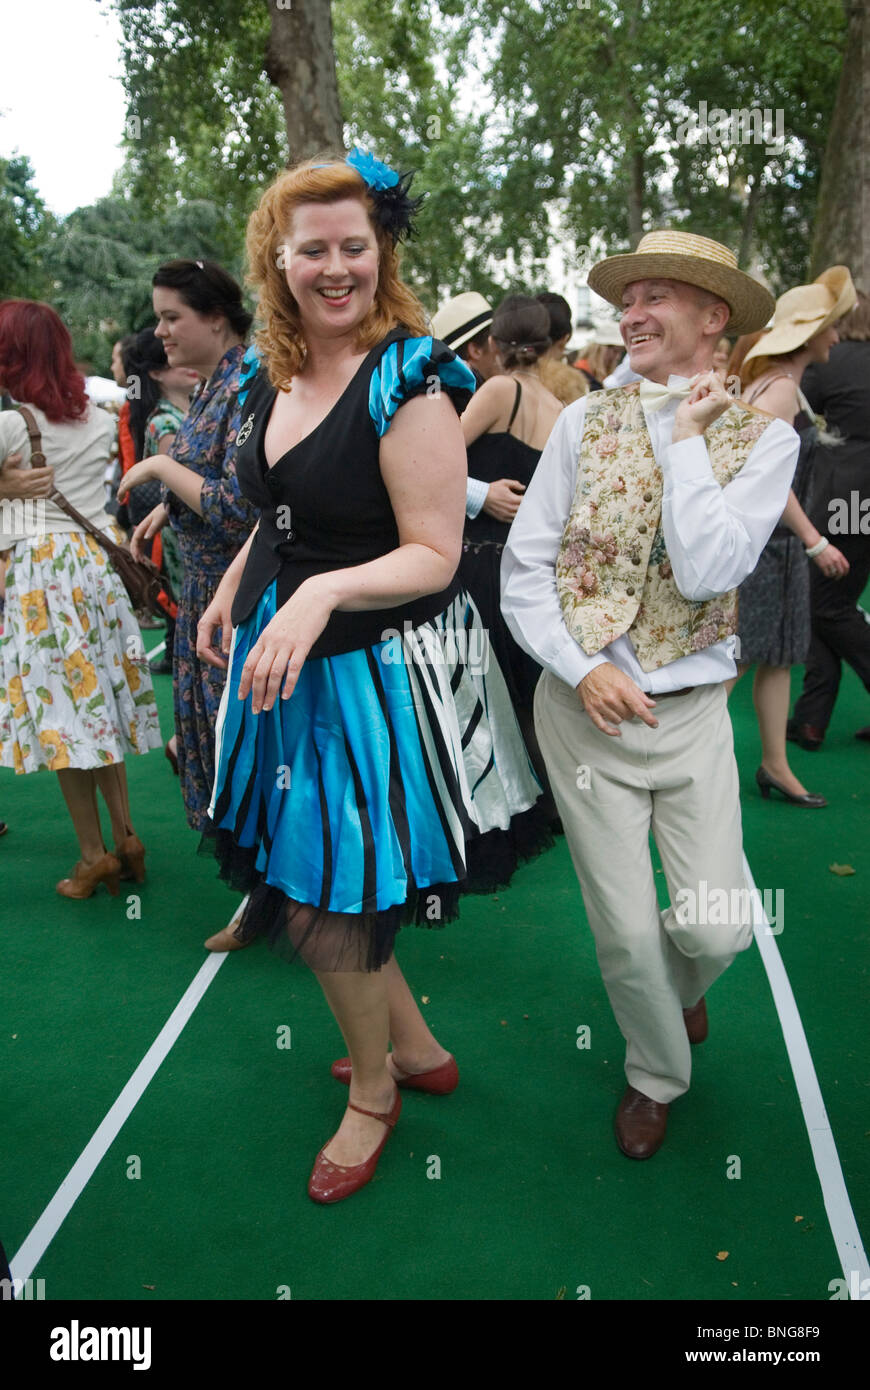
x=332 y=1182
x=440 y=1081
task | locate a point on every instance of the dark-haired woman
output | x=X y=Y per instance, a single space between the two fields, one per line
x=202 y=323
x=74 y=698
x=506 y=425
x=565 y=384
x=158 y=405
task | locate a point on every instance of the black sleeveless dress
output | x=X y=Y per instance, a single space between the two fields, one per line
x=491 y=457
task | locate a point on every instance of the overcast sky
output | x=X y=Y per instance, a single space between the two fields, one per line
x=61 y=99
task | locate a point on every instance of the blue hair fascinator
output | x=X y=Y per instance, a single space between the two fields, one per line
x=394 y=209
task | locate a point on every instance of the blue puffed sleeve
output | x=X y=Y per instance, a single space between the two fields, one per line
x=416 y=367
x=249 y=368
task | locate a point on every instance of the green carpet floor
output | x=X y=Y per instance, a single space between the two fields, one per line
x=533 y=1200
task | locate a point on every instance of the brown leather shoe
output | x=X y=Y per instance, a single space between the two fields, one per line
x=84 y=880
x=696 y=1021
x=640 y=1124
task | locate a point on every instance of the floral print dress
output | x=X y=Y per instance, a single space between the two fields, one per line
x=75 y=688
x=207 y=544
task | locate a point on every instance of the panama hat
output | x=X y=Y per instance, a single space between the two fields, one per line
x=461 y=318
x=806 y=310
x=693 y=260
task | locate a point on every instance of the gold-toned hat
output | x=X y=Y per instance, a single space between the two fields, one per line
x=693 y=260
x=461 y=318
x=806 y=310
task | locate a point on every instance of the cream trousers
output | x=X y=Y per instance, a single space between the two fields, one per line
x=679 y=782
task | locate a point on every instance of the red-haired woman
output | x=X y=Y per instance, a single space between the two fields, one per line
x=360 y=738
x=75 y=689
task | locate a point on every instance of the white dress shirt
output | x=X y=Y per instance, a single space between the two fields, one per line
x=714 y=537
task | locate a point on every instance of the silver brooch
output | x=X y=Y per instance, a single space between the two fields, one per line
x=245 y=431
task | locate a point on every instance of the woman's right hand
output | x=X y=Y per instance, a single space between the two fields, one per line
x=217 y=615
x=504 y=498
x=147 y=528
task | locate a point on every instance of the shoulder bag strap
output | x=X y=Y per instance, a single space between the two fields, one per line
x=37 y=457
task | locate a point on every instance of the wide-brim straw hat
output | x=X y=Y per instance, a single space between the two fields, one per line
x=693 y=260
x=461 y=318
x=806 y=310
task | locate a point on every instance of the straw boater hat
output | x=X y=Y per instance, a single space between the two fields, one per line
x=461 y=318
x=694 y=260
x=803 y=312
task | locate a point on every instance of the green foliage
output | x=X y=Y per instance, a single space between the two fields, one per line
x=529 y=123
x=25 y=230
x=595 y=100
x=103 y=258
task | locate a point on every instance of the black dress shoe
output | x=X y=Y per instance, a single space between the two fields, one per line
x=766 y=784
x=807 y=735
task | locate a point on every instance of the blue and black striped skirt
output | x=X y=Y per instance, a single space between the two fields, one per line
x=350 y=808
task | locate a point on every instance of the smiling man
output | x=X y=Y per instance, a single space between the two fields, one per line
x=649 y=506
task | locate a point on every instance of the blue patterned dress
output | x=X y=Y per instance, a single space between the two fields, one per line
x=207 y=544
x=350 y=808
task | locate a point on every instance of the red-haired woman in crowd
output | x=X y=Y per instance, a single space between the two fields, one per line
x=360 y=738
x=75 y=689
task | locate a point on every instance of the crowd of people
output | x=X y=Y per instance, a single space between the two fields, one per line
x=425 y=568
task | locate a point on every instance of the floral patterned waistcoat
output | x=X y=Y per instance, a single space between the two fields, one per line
x=612 y=572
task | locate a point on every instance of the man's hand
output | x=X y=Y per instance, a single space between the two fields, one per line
x=504 y=498
x=609 y=696
x=707 y=400
x=17 y=481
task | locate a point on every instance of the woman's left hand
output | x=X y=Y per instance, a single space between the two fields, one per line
x=142 y=472
x=280 y=650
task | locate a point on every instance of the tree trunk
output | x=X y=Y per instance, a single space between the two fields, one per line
x=753 y=203
x=842 y=229
x=635 y=197
x=300 y=61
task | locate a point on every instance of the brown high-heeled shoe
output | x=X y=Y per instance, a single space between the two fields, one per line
x=226 y=940
x=84 y=880
x=131 y=853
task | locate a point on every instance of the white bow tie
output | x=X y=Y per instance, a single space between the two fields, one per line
x=653 y=396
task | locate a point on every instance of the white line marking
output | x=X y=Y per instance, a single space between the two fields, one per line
x=61 y=1204
x=155 y=651
x=841 y=1218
